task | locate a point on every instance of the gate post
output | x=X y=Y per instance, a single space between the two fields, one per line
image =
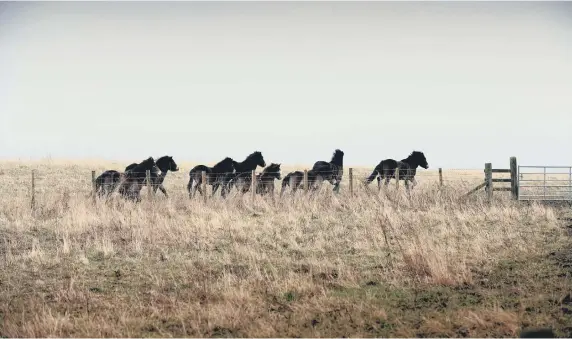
x=513 y=178
x=489 y=181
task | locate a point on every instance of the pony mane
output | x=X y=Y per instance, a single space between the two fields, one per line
x=162 y=158
x=147 y=161
x=145 y=164
x=224 y=163
x=256 y=154
x=337 y=157
x=416 y=155
x=272 y=168
x=167 y=163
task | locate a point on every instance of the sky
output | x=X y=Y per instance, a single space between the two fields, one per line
x=464 y=82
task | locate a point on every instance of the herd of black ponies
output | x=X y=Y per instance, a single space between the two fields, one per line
x=228 y=174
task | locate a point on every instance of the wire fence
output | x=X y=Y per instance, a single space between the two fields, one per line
x=45 y=182
x=30 y=186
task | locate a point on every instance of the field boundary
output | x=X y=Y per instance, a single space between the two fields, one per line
x=490 y=183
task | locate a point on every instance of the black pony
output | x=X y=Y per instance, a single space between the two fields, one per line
x=216 y=176
x=106 y=182
x=158 y=174
x=296 y=179
x=407 y=169
x=330 y=171
x=134 y=179
x=265 y=180
x=242 y=178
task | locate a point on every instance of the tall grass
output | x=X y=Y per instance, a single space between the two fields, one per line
x=219 y=264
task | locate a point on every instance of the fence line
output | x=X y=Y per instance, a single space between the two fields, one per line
x=307 y=185
x=491 y=182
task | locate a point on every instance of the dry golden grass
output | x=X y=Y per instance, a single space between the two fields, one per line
x=375 y=264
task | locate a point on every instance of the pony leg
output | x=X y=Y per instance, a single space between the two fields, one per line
x=215 y=188
x=387 y=179
x=193 y=191
x=162 y=190
x=245 y=188
x=336 y=188
x=198 y=188
x=337 y=184
x=225 y=188
x=190 y=187
x=407 y=189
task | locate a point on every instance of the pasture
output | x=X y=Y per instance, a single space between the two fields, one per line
x=378 y=263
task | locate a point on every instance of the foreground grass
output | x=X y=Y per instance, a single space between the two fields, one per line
x=332 y=265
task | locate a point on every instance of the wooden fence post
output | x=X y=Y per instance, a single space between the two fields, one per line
x=397 y=178
x=351 y=182
x=513 y=178
x=253 y=184
x=489 y=181
x=204 y=185
x=93 y=186
x=305 y=181
x=33 y=202
x=150 y=188
x=440 y=177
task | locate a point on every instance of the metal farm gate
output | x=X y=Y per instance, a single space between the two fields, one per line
x=548 y=183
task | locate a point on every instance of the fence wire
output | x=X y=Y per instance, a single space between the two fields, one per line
x=48 y=183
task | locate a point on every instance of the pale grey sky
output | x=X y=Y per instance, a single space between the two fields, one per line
x=466 y=83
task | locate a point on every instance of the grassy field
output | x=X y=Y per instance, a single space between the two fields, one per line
x=372 y=264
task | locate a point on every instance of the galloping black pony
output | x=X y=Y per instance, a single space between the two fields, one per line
x=215 y=176
x=330 y=171
x=158 y=174
x=134 y=179
x=296 y=179
x=107 y=182
x=265 y=180
x=243 y=175
x=407 y=169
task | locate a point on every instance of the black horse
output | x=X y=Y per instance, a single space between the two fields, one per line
x=106 y=182
x=296 y=179
x=265 y=180
x=330 y=171
x=407 y=169
x=242 y=178
x=158 y=174
x=216 y=176
x=133 y=180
